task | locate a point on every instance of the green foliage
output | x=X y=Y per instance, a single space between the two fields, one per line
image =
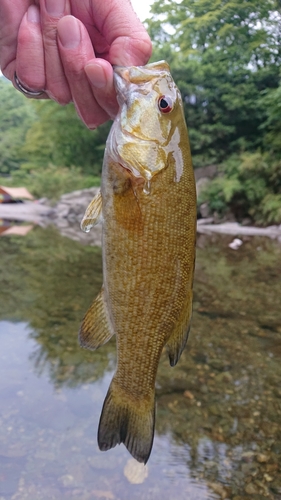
x=223 y=56
x=250 y=185
x=58 y=136
x=270 y=209
x=16 y=116
x=52 y=181
x=34 y=134
x=271 y=101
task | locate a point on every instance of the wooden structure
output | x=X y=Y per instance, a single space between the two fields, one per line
x=13 y=195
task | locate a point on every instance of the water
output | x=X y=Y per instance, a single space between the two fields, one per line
x=147 y=187
x=218 y=431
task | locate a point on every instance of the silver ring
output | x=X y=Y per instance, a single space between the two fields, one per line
x=24 y=90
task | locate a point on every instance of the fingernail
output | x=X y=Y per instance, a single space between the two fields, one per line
x=96 y=75
x=69 y=32
x=33 y=15
x=55 y=7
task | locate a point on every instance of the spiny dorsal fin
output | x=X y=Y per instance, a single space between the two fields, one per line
x=96 y=328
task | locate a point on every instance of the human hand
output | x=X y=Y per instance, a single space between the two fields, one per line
x=71 y=57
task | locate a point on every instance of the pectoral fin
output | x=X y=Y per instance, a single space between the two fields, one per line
x=96 y=328
x=178 y=339
x=93 y=213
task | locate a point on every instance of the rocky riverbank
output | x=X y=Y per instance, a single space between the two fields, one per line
x=67 y=214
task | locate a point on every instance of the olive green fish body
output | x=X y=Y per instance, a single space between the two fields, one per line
x=149 y=227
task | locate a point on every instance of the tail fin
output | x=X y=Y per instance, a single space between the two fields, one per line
x=126 y=421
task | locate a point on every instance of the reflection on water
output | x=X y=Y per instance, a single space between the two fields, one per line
x=218 y=431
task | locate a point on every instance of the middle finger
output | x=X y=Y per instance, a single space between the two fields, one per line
x=56 y=83
x=76 y=51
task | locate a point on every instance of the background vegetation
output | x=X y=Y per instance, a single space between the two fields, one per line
x=46 y=147
x=225 y=57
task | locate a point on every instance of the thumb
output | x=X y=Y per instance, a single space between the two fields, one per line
x=129 y=42
x=134 y=50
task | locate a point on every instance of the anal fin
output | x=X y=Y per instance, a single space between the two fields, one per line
x=96 y=328
x=93 y=213
x=179 y=336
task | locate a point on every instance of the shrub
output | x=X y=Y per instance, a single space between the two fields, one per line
x=250 y=186
x=52 y=181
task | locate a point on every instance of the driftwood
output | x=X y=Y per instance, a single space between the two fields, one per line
x=27 y=211
x=235 y=229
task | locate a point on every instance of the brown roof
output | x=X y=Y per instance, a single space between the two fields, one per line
x=18 y=193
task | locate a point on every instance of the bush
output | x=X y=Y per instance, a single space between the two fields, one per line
x=52 y=182
x=250 y=186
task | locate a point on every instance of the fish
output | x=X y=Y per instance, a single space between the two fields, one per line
x=147 y=204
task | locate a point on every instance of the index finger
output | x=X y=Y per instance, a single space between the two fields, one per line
x=11 y=14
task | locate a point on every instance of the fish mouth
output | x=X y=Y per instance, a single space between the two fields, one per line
x=120 y=81
x=124 y=76
x=141 y=74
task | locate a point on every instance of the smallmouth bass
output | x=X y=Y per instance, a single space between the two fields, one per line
x=148 y=207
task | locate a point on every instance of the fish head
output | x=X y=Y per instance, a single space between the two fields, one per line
x=146 y=128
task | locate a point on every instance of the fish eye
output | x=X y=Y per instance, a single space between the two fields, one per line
x=165 y=104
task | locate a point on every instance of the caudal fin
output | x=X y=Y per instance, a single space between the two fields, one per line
x=126 y=421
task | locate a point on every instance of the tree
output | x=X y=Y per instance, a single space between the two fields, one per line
x=223 y=55
x=272 y=126
x=59 y=137
x=16 y=117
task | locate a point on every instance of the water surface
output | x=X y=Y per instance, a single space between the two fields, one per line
x=218 y=430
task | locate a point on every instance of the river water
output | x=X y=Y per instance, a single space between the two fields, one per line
x=218 y=425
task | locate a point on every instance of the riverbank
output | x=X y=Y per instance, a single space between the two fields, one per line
x=67 y=214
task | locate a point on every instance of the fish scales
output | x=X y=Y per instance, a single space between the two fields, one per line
x=149 y=226
x=148 y=286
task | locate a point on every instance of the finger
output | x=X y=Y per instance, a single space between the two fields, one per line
x=128 y=42
x=56 y=82
x=129 y=51
x=30 y=53
x=75 y=51
x=11 y=14
x=100 y=75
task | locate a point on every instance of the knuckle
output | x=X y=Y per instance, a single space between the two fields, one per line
x=61 y=96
